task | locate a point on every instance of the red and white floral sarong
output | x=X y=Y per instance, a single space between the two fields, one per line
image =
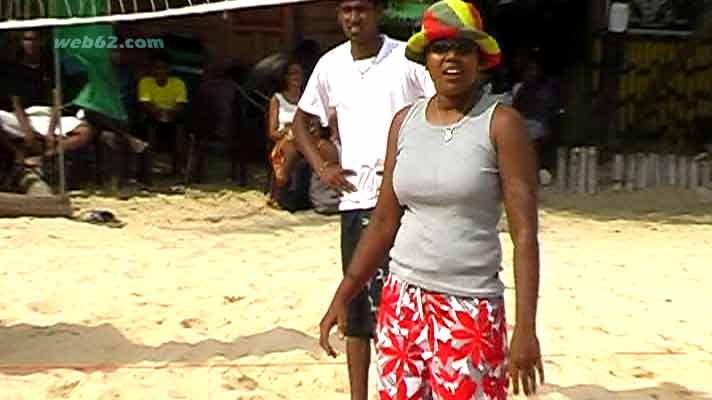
x=437 y=346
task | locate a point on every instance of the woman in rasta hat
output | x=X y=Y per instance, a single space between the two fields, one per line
x=453 y=160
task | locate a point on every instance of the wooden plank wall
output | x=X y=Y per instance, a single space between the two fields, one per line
x=319 y=23
x=257 y=33
x=250 y=35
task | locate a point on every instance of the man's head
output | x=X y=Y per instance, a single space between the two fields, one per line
x=360 y=19
x=31 y=44
x=161 y=69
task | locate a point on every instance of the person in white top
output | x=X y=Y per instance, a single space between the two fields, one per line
x=367 y=80
x=282 y=107
x=281 y=111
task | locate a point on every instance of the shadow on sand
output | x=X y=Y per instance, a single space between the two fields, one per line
x=31 y=349
x=663 y=391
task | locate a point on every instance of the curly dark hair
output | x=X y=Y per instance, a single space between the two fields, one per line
x=292 y=59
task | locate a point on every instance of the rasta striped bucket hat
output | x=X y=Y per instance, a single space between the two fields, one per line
x=453 y=19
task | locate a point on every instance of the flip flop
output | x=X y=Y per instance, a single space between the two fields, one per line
x=102 y=217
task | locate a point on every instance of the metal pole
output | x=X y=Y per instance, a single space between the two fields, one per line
x=694 y=175
x=58 y=109
x=582 y=170
x=592 y=176
x=705 y=172
x=618 y=171
x=671 y=169
x=561 y=168
x=630 y=172
x=682 y=171
x=655 y=167
x=642 y=171
x=573 y=169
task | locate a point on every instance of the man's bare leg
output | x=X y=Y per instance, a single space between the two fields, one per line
x=358 y=356
x=291 y=156
x=75 y=140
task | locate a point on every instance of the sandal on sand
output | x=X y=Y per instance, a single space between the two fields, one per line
x=102 y=217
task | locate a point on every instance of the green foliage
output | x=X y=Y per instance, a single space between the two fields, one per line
x=402 y=17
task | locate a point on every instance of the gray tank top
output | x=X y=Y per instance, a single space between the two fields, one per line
x=450 y=190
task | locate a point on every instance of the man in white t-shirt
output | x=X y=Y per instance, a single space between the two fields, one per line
x=367 y=80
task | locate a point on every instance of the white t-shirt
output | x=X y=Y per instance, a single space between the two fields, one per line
x=39 y=118
x=286 y=110
x=366 y=95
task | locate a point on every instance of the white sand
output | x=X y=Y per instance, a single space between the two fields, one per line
x=212 y=296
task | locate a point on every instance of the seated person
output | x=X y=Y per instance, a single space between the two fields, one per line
x=279 y=123
x=28 y=134
x=36 y=128
x=163 y=98
x=285 y=160
x=281 y=110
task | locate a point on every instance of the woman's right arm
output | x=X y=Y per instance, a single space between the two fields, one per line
x=373 y=246
x=273 y=132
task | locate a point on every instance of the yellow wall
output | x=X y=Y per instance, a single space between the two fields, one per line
x=682 y=76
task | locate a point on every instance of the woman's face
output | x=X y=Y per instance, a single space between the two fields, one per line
x=295 y=76
x=453 y=65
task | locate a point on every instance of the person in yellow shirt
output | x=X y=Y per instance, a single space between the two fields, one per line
x=163 y=98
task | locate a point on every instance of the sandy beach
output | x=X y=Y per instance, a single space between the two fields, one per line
x=208 y=294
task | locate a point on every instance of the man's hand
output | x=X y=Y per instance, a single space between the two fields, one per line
x=50 y=145
x=287 y=132
x=335 y=315
x=335 y=177
x=525 y=360
x=167 y=115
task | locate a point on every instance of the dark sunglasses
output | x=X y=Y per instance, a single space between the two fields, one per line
x=459 y=46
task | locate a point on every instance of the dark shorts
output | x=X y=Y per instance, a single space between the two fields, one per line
x=361 y=319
